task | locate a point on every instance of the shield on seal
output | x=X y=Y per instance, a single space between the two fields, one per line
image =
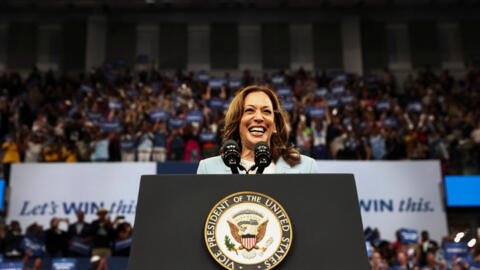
x=249 y=241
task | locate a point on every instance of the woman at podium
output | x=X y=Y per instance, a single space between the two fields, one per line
x=255 y=116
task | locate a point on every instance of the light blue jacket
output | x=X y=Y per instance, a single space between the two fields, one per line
x=215 y=165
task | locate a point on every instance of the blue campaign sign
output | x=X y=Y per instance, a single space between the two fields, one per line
x=409 y=236
x=321 y=92
x=459 y=249
x=110 y=125
x=1 y=255
x=78 y=246
x=32 y=243
x=389 y=122
x=2 y=192
x=474 y=266
x=216 y=83
x=207 y=137
x=277 y=80
x=127 y=145
x=194 y=116
x=288 y=105
x=235 y=84
x=316 y=111
x=338 y=89
x=332 y=102
x=158 y=115
x=341 y=77
x=94 y=116
x=369 y=248
x=11 y=266
x=382 y=105
x=64 y=264
x=155 y=86
x=217 y=103
x=284 y=91
x=176 y=122
x=203 y=77
x=132 y=92
x=86 y=89
x=115 y=105
x=347 y=99
x=414 y=107
x=462 y=190
x=122 y=244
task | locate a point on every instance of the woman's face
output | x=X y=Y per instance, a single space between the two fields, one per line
x=257 y=123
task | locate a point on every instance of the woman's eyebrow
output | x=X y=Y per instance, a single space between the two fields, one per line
x=265 y=106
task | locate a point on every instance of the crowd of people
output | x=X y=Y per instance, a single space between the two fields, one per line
x=119 y=116
x=97 y=240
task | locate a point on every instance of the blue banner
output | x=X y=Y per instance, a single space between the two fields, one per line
x=128 y=145
x=158 y=115
x=316 y=111
x=347 y=99
x=414 y=107
x=110 y=126
x=194 y=116
x=216 y=103
x=278 y=80
x=176 y=122
x=78 y=246
x=216 y=83
x=474 y=266
x=123 y=244
x=409 y=236
x=115 y=105
x=459 y=249
x=11 y=266
x=321 y=92
x=64 y=264
x=288 y=105
x=342 y=77
x=203 y=77
x=86 y=89
x=235 y=84
x=284 y=91
x=332 y=102
x=369 y=248
x=382 y=105
x=32 y=243
x=338 y=89
x=132 y=92
x=207 y=137
x=94 y=116
x=389 y=122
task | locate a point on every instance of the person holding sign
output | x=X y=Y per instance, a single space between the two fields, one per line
x=255 y=116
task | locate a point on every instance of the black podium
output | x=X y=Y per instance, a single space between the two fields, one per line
x=323 y=208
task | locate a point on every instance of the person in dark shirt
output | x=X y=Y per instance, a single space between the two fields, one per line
x=102 y=233
x=79 y=231
x=56 y=239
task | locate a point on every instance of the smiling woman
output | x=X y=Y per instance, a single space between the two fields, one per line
x=255 y=115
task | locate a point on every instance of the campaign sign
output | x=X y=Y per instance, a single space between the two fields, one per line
x=194 y=116
x=277 y=80
x=414 y=107
x=11 y=266
x=217 y=103
x=316 y=111
x=115 y=105
x=110 y=126
x=408 y=236
x=64 y=264
x=203 y=77
x=132 y=92
x=235 y=84
x=288 y=105
x=369 y=248
x=127 y=145
x=321 y=92
x=86 y=89
x=347 y=99
x=382 y=105
x=474 y=266
x=1 y=258
x=459 y=249
x=332 y=102
x=32 y=243
x=389 y=122
x=338 y=89
x=207 y=137
x=176 y=122
x=158 y=115
x=341 y=77
x=284 y=91
x=94 y=116
x=216 y=83
x=78 y=246
x=122 y=244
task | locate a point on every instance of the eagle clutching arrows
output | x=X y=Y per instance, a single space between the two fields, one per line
x=248 y=233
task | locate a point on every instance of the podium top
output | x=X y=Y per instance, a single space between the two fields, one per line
x=323 y=209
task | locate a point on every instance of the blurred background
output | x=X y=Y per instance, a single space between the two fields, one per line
x=94 y=94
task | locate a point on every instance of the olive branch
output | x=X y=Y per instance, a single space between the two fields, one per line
x=229 y=244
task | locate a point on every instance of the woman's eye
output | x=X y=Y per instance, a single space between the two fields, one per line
x=267 y=111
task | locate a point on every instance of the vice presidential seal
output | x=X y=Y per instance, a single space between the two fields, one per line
x=248 y=230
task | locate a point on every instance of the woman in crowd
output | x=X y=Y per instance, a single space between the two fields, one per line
x=255 y=116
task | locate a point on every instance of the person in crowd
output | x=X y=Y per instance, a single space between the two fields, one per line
x=128 y=144
x=426 y=245
x=99 y=147
x=102 y=233
x=13 y=241
x=377 y=263
x=98 y=263
x=123 y=239
x=79 y=235
x=33 y=245
x=254 y=116
x=12 y=149
x=160 y=134
x=56 y=239
x=145 y=143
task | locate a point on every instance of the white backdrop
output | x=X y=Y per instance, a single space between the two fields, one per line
x=40 y=192
x=395 y=194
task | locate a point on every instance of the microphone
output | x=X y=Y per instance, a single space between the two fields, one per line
x=231 y=156
x=263 y=157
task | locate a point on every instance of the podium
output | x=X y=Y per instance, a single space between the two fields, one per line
x=172 y=212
